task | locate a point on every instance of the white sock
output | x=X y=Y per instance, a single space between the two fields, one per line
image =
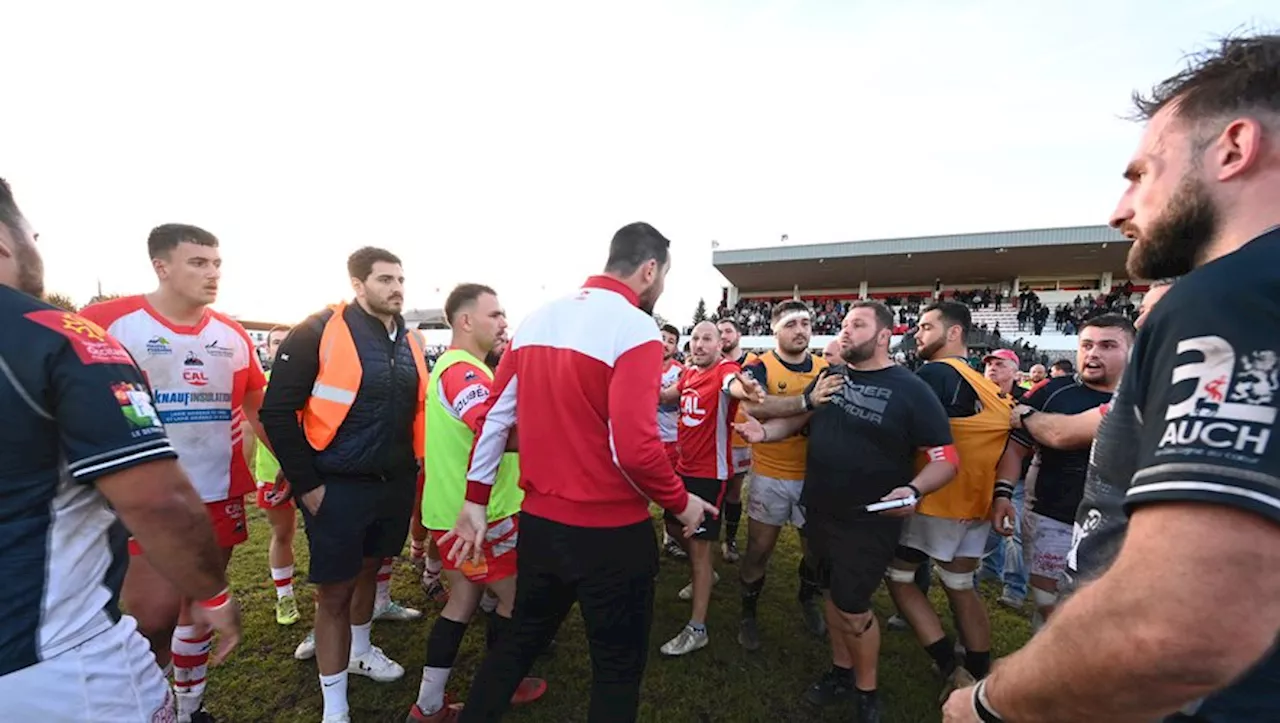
x=334 y=689
x=489 y=602
x=382 y=597
x=360 y=642
x=431 y=690
x=283 y=577
x=433 y=568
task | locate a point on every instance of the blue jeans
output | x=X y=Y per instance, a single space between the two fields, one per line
x=1003 y=557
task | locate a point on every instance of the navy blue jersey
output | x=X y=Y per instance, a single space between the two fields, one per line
x=75 y=410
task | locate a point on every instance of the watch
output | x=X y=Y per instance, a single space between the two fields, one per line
x=1030 y=411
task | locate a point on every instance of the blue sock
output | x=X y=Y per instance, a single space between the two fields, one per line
x=697 y=627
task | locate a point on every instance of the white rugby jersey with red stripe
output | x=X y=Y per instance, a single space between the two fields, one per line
x=199 y=376
x=707 y=411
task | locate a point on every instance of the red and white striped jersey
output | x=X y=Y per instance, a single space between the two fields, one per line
x=199 y=376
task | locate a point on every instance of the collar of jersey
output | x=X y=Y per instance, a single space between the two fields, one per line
x=608 y=283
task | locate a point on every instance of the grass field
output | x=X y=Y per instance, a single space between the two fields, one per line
x=721 y=683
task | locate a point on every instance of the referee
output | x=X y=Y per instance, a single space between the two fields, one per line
x=580 y=382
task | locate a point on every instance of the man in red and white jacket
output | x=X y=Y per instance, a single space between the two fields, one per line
x=583 y=372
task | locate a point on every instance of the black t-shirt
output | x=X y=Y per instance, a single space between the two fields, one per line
x=864 y=442
x=1060 y=484
x=958 y=396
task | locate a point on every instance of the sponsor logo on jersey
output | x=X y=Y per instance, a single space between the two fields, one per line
x=159 y=346
x=192 y=360
x=194 y=377
x=136 y=405
x=691 y=412
x=219 y=351
x=864 y=401
x=1230 y=408
x=188 y=398
x=90 y=341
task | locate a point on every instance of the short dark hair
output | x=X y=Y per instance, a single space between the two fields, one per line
x=1111 y=321
x=953 y=313
x=671 y=329
x=731 y=322
x=462 y=295
x=166 y=237
x=360 y=264
x=783 y=307
x=633 y=246
x=1239 y=74
x=884 y=317
x=1064 y=365
x=10 y=216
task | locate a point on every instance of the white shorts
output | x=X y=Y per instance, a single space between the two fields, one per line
x=741 y=460
x=111 y=678
x=1045 y=544
x=944 y=539
x=775 y=501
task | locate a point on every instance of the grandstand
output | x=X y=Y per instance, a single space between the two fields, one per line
x=1073 y=273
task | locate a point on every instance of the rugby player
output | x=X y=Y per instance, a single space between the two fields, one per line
x=731 y=349
x=208 y=384
x=83 y=451
x=460 y=385
x=777 y=468
x=708 y=392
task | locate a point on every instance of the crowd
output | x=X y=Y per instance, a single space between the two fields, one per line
x=523 y=471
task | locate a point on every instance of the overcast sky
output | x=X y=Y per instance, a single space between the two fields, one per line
x=505 y=142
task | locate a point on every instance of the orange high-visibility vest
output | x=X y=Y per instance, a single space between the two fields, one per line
x=338 y=382
x=980 y=441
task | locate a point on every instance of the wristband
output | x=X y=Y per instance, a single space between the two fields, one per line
x=764 y=433
x=982 y=707
x=914 y=490
x=805 y=405
x=216 y=601
x=1004 y=489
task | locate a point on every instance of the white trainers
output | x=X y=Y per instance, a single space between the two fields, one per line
x=395 y=612
x=686 y=592
x=686 y=642
x=376 y=665
x=306 y=650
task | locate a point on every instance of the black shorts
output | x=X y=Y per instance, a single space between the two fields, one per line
x=852 y=556
x=711 y=490
x=357 y=520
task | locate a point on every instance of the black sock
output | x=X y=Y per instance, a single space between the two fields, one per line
x=443 y=642
x=844 y=674
x=750 y=597
x=977 y=663
x=497 y=628
x=732 y=516
x=810 y=585
x=867 y=695
x=943 y=653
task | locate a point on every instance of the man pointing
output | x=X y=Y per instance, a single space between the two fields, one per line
x=583 y=370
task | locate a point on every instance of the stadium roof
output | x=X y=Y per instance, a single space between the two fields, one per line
x=971 y=258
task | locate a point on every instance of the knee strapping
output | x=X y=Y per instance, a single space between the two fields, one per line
x=955 y=580
x=1044 y=598
x=904 y=577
